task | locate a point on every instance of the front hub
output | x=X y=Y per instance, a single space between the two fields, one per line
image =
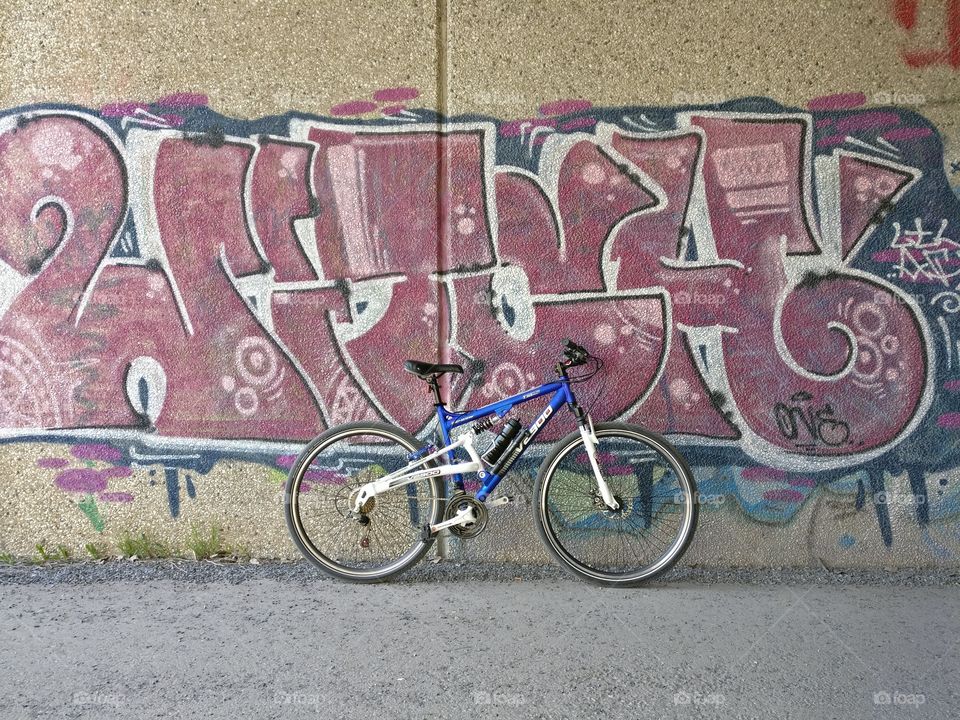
x=602 y=507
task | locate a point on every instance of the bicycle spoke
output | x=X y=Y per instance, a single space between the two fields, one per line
x=322 y=515
x=650 y=524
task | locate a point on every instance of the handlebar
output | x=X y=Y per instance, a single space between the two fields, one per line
x=574 y=354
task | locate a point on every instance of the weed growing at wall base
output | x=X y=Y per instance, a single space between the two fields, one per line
x=143 y=547
x=207 y=544
x=45 y=555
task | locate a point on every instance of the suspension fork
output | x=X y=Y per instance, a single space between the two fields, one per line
x=590 y=444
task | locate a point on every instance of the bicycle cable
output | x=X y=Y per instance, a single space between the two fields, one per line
x=603 y=384
x=597 y=367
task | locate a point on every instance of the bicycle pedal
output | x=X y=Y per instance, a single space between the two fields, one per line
x=426 y=533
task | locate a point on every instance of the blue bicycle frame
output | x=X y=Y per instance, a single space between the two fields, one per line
x=562 y=394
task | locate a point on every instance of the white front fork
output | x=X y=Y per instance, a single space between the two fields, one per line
x=590 y=442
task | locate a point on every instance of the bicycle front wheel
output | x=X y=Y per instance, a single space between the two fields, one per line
x=650 y=530
x=386 y=539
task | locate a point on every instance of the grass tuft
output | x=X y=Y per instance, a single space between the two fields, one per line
x=205 y=545
x=43 y=555
x=142 y=546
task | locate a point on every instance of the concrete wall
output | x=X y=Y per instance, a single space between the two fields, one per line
x=223 y=230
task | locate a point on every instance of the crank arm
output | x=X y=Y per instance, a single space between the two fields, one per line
x=461 y=518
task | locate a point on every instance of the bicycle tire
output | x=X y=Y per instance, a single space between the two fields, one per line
x=293 y=505
x=548 y=520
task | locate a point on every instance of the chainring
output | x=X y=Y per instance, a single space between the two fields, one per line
x=462 y=501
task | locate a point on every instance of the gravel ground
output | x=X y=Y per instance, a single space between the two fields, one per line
x=277 y=640
x=217 y=571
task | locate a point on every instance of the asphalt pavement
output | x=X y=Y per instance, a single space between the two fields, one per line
x=146 y=640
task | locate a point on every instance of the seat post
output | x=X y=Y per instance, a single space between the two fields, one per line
x=435 y=387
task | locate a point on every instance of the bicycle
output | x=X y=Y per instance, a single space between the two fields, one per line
x=615 y=504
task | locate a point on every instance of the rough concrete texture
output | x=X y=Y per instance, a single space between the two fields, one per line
x=246 y=505
x=80 y=644
x=224 y=222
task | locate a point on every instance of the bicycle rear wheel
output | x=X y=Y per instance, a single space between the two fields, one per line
x=317 y=503
x=658 y=506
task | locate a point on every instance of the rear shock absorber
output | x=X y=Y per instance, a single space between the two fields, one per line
x=485 y=424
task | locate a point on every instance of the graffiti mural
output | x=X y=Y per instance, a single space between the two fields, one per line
x=932 y=43
x=775 y=288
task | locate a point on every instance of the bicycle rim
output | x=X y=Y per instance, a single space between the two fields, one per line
x=319 y=507
x=646 y=535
